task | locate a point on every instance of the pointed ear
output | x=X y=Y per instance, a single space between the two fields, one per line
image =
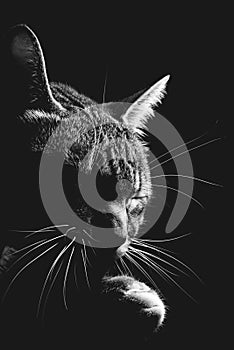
x=26 y=53
x=140 y=111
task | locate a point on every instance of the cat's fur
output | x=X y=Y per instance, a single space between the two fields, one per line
x=57 y=109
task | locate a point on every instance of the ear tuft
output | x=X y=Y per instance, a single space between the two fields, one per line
x=140 y=111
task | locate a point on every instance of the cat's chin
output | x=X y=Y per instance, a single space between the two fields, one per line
x=145 y=300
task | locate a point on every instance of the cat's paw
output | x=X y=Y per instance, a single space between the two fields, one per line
x=140 y=298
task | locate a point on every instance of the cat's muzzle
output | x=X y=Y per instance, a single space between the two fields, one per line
x=123 y=249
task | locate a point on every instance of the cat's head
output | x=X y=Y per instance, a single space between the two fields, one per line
x=89 y=135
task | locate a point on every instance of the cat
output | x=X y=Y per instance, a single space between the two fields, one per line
x=59 y=120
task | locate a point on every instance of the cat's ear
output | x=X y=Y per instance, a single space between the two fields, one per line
x=141 y=110
x=26 y=54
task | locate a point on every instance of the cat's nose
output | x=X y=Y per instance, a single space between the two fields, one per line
x=123 y=249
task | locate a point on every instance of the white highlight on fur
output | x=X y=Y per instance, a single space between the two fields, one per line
x=140 y=292
x=37 y=116
x=25 y=45
x=143 y=295
x=138 y=114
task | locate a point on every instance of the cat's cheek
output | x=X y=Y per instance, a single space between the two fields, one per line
x=133 y=227
x=141 y=220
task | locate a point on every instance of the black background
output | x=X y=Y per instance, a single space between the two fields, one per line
x=136 y=47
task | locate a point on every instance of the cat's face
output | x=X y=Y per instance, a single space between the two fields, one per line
x=89 y=136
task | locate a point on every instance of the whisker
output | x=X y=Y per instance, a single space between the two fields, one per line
x=36 y=258
x=158 y=258
x=121 y=272
x=177 y=147
x=70 y=229
x=140 y=268
x=187 y=151
x=177 y=284
x=165 y=250
x=152 y=264
x=32 y=231
x=23 y=231
x=28 y=246
x=125 y=266
x=86 y=256
x=45 y=229
x=173 y=258
x=85 y=268
x=65 y=276
x=150 y=246
x=104 y=88
x=39 y=245
x=159 y=248
x=49 y=275
x=158 y=266
x=162 y=240
x=50 y=288
x=59 y=256
x=187 y=177
x=181 y=192
x=89 y=235
x=128 y=268
x=92 y=248
x=75 y=276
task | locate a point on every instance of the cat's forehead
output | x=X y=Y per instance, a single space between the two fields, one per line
x=91 y=125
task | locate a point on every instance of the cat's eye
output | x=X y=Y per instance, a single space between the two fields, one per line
x=136 y=211
x=140 y=197
x=136 y=207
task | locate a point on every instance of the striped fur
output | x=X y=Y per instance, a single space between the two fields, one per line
x=90 y=134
